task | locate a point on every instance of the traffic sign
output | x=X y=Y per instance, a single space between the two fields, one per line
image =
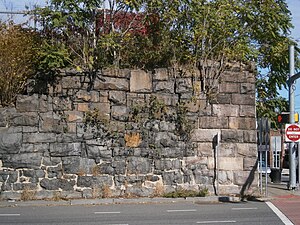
x=292 y=132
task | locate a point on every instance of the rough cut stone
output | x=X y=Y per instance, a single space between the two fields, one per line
x=39 y=138
x=65 y=149
x=140 y=81
x=27 y=103
x=24 y=160
x=110 y=83
x=10 y=142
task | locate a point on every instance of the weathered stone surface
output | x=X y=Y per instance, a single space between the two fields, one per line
x=65 y=149
x=204 y=135
x=22 y=160
x=161 y=74
x=209 y=122
x=204 y=149
x=247 y=88
x=231 y=135
x=231 y=163
x=119 y=112
x=60 y=103
x=138 y=165
x=39 y=138
x=109 y=83
x=96 y=149
x=74 y=116
x=25 y=119
x=242 y=123
x=172 y=178
x=27 y=103
x=231 y=87
x=223 y=111
x=140 y=81
x=247 y=111
x=167 y=164
x=56 y=184
x=50 y=122
x=71 y=82
x=8 y=176
x=243 y=99
x=183 y=85
x=92 y=181
x=164 y=86
x=10 y=142
x=117 y=97
x=247 y=149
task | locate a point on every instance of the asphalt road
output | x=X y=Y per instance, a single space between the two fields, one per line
x=249 y=213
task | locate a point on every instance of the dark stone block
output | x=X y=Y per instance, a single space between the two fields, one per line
x=23 y=160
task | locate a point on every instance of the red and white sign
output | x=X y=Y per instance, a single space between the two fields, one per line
x=292 y=133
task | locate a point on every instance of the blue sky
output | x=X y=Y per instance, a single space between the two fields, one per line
x=294 y=6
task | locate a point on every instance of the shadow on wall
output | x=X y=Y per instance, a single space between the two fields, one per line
x=249 y=181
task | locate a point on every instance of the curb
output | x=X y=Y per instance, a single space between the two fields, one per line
x=74 y=202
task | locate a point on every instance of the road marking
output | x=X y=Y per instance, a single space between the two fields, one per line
x=10 y=214
x=107 y=212
x=216 y=221
x=181 y=210
x=243 y=208
x=281 y=216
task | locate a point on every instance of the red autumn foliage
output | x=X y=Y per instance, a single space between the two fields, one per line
x=122 y=21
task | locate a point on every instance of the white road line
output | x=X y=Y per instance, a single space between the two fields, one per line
x=243 y=208
x=216 y=221
x=10 y=214
x=182 y=210
x=107 y=212
x=281 y=216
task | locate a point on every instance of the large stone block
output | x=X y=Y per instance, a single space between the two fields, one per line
x=65 y=149
x=229 y=87
x=243 y=99
x=9 y=176
x=94 y=181
x=27 y=103
x=231 y=163
x=10 y=143
x=71 y=82
x=50 y=122
x=204 y=149
x=140 y=81
x=138 y=165
x=60 y=103
x=247 y=111
x=24 y=119
x=161 y=74
x=184 y=85
x=172 y=178
x=242 y=123
x=119 y=112
x=164 y=86
x=222 y=111
x=215 y=122
x=109 y=83
x=204 y=135
x=247 y=149
x=117 y=97
x=232 y=135
x=23 y=160
x=74 y=116
x=97 y=149
x=31 y=148
x=39 y=138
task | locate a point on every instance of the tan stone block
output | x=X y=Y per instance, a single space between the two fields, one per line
x=209 y=122
x=103 y=108
x=74 y=116
x=161 y=74
x=247 y=149
x=211 y=163
x=71 y=127
x=231 y=163
x=204 y=135
x=247 y=111
x=243 y=123
x=231 y=87
x=140 y=81
x=226 y=110
x=204 y=149
x=83 y=107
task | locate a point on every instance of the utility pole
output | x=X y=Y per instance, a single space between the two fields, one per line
x=292 y=151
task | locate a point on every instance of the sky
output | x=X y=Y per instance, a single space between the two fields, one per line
x=294 y=7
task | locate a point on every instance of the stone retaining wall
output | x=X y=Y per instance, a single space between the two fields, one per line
x=129 y=133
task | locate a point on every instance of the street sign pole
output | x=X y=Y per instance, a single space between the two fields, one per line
x=292 y=152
